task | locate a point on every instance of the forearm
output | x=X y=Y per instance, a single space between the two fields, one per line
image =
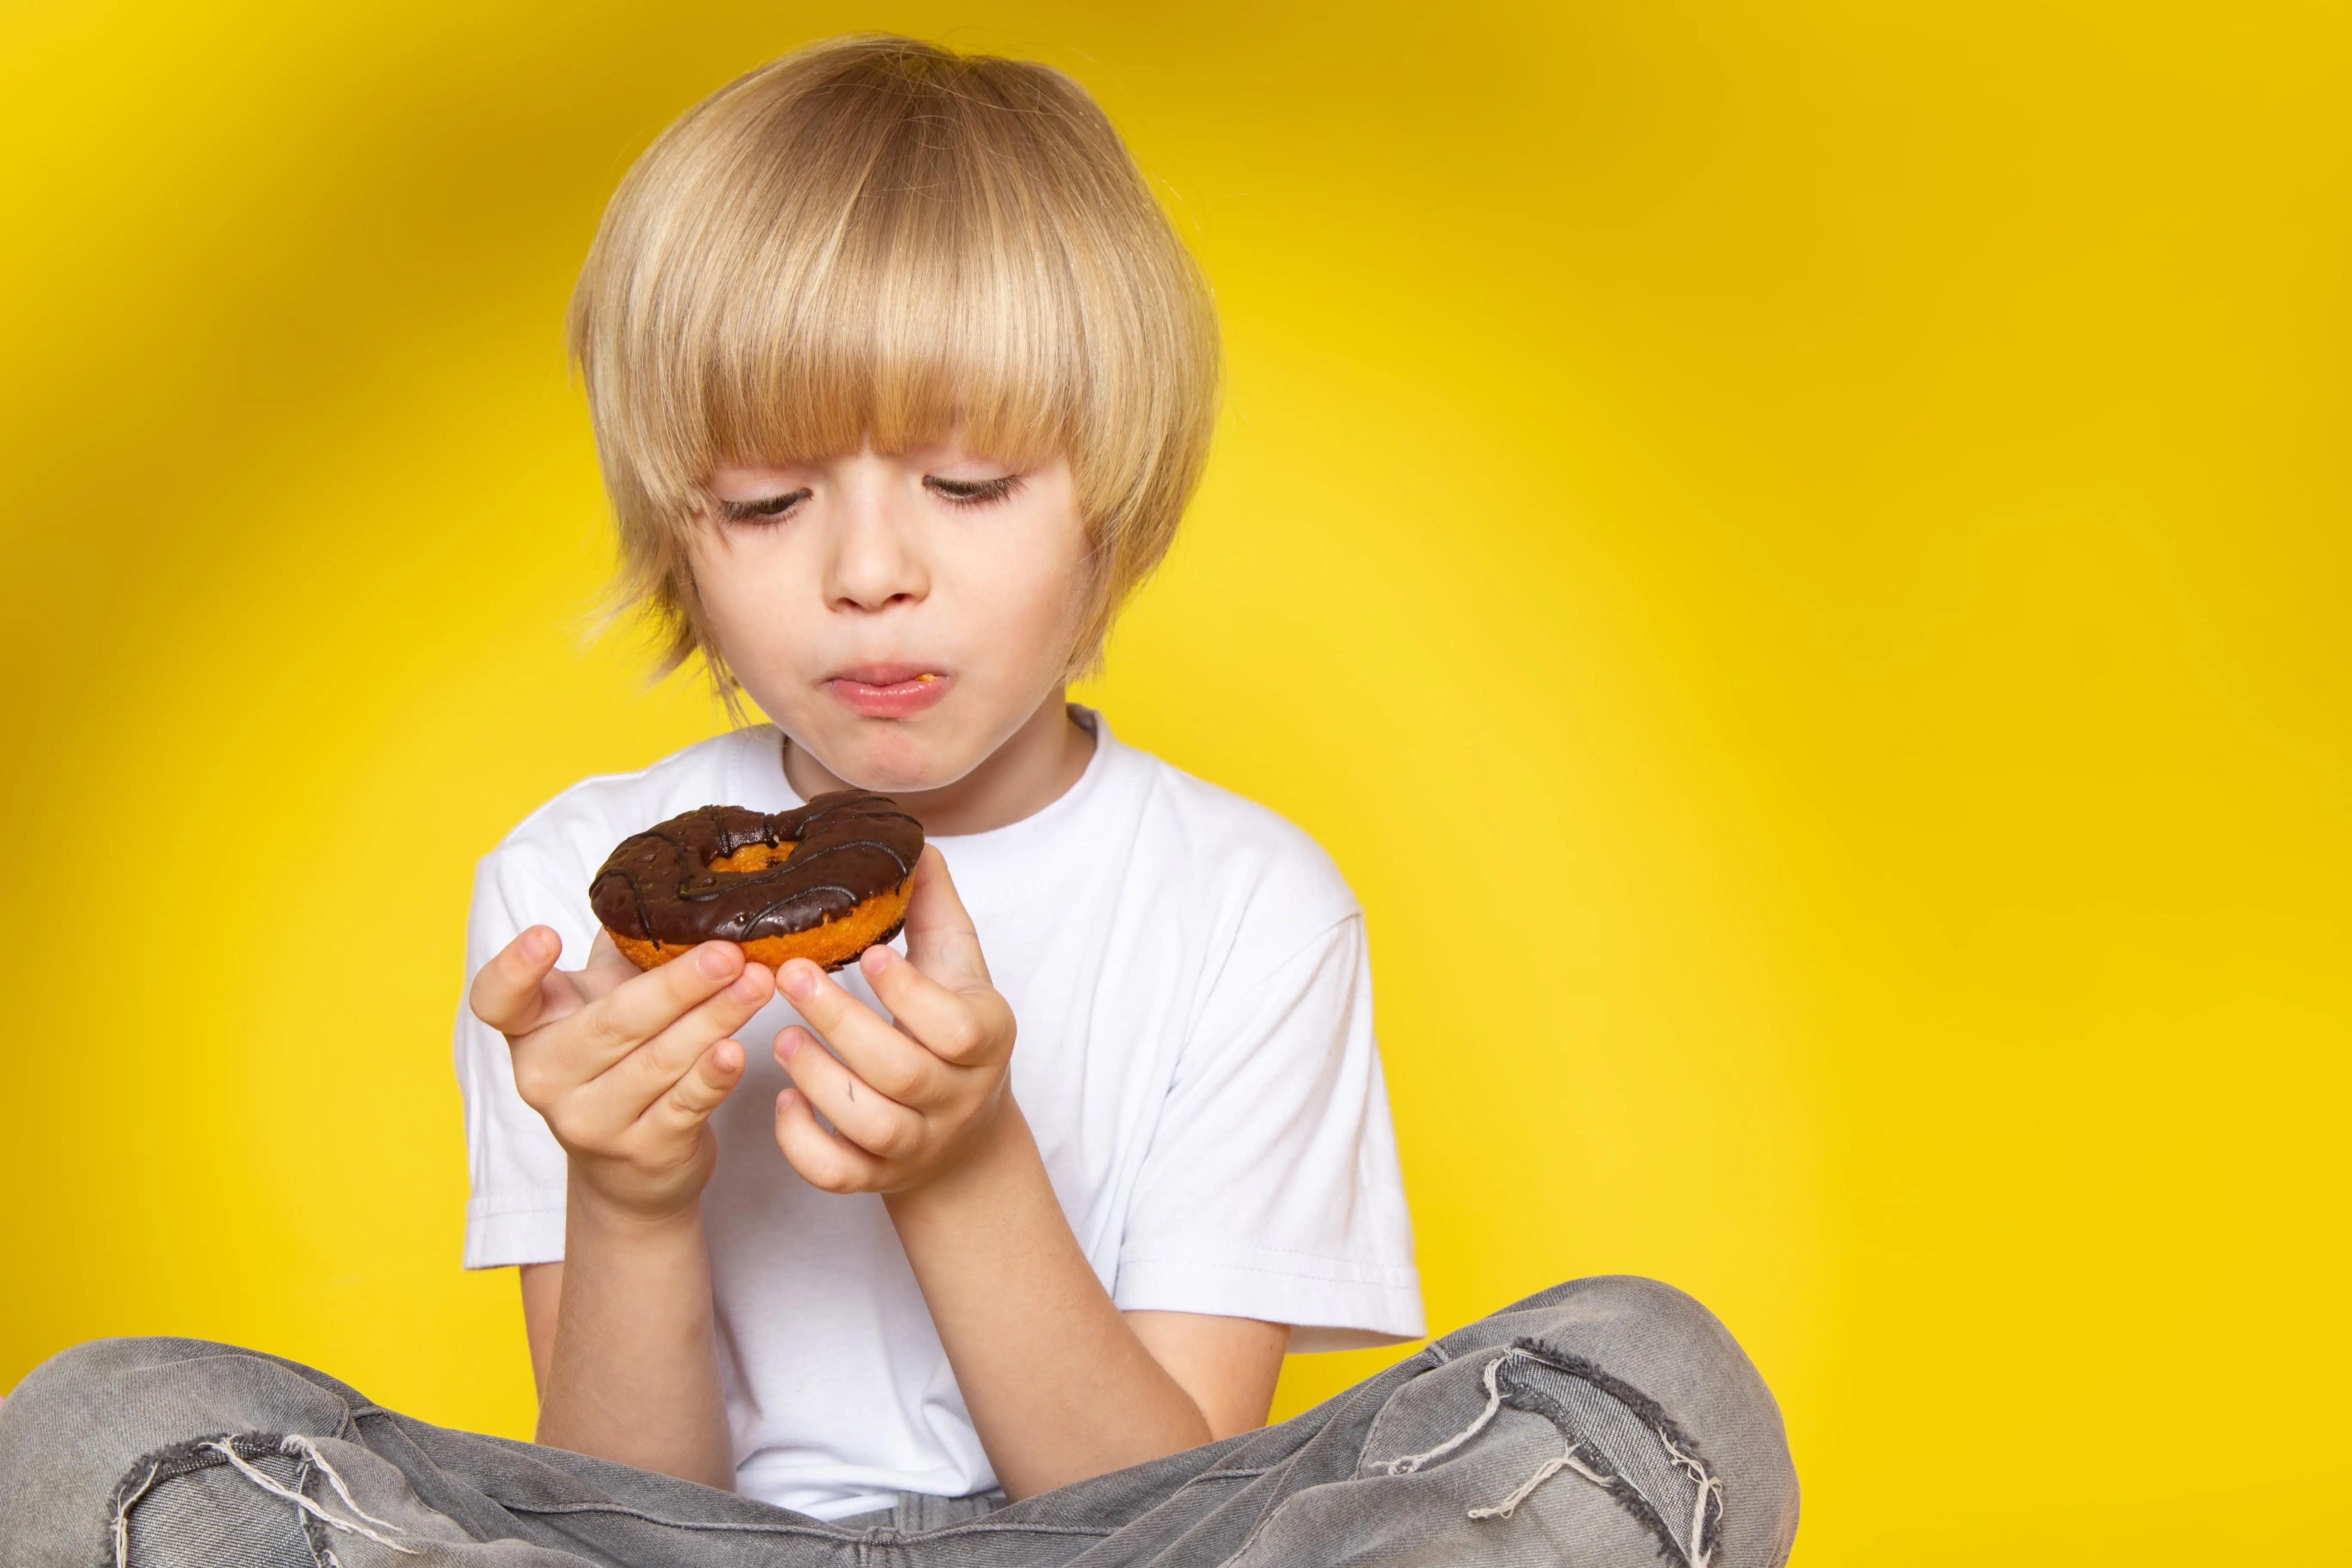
x=1058 y=1385
x=634 y=1375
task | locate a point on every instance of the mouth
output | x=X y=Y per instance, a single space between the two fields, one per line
x=887 y=691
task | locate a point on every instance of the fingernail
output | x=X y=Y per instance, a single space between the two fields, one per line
x=747 y=985
x=715 y=960
x=878 y=959
x=786 y=1044
x=799 y=980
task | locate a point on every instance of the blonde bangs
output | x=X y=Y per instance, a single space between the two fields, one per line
x=874 y=240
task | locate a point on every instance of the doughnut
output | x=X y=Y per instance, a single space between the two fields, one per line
x=825 y=883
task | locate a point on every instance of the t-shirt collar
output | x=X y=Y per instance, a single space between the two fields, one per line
x=755 y=777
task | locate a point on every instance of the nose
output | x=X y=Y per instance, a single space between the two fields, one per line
x=876 y=561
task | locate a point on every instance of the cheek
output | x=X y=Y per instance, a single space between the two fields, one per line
x=741 y=586
x=725 y=606
x=709 y=563
x=1037 y=610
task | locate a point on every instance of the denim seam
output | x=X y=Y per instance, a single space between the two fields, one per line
x=1432 y=1353
x=1435 y=1353
x=1274 y=1506
x=1251 y=1474
x=819 y=1532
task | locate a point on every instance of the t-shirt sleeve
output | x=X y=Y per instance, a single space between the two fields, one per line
x=515 y=1213
x=1272 y=1189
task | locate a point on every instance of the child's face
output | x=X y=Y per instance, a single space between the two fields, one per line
x=898 y=616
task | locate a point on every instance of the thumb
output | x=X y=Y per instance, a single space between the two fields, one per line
x=941 y=940
x=608 y=968
x=518 y=989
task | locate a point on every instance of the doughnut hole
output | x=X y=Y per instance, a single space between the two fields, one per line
x=756 y=856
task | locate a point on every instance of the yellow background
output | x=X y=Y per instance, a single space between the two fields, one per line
x=1856 y=492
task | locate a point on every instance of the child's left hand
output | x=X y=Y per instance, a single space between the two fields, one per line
x=906 y=1099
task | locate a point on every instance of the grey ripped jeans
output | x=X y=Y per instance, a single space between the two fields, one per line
x=1607 y=1421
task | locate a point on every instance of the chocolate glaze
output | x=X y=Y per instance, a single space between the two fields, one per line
x=658 y=885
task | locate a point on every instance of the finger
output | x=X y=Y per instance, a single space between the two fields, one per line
x=884 y=1057
x=638 y=1009
x=608 y=967
x=703 y=1089
x=824 y=1160
x=512 y=994
x=940 y=938
x=963 y=1027
x=624 y=1091
x=858 y=1112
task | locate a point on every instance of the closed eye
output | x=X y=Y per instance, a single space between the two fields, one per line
x=767 y=508
x=971 y=493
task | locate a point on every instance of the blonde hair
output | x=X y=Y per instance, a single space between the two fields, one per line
x=877 y=239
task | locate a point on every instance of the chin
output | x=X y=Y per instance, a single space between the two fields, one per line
x=893 y=763
x=893 y=781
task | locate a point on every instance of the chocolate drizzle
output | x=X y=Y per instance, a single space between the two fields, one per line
x=849 y=846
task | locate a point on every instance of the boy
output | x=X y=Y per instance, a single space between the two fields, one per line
x=901 y=382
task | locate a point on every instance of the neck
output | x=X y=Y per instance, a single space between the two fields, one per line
x=1034 y=768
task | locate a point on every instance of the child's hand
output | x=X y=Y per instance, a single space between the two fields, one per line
x=626 y=1066
x=904 y=1100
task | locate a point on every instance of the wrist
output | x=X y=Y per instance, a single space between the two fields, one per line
x=627 y=1219
x=996 y=1147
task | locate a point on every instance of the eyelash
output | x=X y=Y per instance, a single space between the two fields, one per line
x=972 y=492
x=768 y=509
x=955 y=492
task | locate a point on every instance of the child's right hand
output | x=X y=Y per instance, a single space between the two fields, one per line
x=626 y=1066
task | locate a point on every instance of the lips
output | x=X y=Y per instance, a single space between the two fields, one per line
x=887 y=691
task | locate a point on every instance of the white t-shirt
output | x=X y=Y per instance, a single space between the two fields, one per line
x=1195 y=1055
